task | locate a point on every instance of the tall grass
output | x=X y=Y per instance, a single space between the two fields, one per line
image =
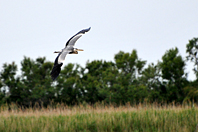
x=100 y=117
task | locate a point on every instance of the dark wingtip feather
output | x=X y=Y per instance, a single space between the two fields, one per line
x=84 y=31
x=55 y=71
x=89 y=28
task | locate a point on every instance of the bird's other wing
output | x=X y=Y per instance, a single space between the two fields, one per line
x=56 y=68
x=74 y=38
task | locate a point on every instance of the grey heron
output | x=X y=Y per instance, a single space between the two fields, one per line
x=69 y=49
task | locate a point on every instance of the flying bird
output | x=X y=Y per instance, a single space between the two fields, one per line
x=69 y=49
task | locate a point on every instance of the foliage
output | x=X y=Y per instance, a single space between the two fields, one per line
x=192 y=87
x=191 y=91
x=68 y=88
x=34 y=84
x=151 y=78
x=126 y=79
x=172 y=68
x=191 y=50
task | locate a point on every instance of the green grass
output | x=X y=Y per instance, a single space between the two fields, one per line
x=150 y=118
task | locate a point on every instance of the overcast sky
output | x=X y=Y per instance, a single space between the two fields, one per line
x=38 y=28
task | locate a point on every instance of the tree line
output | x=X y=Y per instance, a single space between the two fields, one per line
x=126 y=79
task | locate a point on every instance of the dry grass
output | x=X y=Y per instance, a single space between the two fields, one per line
x=100 y=117
x=64 y=110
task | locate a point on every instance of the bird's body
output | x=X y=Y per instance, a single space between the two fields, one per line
x=69 y=49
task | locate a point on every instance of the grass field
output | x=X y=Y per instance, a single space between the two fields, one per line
x=86 y=118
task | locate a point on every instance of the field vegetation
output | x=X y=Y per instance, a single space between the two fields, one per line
x=99 y=117
x=31 y=101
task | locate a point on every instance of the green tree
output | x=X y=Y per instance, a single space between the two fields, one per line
x=127 y=84
x=10 y=84
x=69 y=87
x=173 y=74
x=151 y=78
x=191 y=50
x=109 y=79
x=2 y=94
x=97 y=80
x=129 y=65
x=36 y=83
x=191 y=91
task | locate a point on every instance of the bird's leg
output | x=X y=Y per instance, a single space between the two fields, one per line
x=57 y=51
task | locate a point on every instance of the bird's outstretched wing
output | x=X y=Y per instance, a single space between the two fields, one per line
x=70 y=44
x=74 y=38
x=56 y=68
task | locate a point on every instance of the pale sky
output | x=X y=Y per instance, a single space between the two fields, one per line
x=38 y=28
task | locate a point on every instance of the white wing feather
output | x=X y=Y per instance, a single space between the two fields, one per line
x=73 y=40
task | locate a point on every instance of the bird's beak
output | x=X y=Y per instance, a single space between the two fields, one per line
x=80 y=50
